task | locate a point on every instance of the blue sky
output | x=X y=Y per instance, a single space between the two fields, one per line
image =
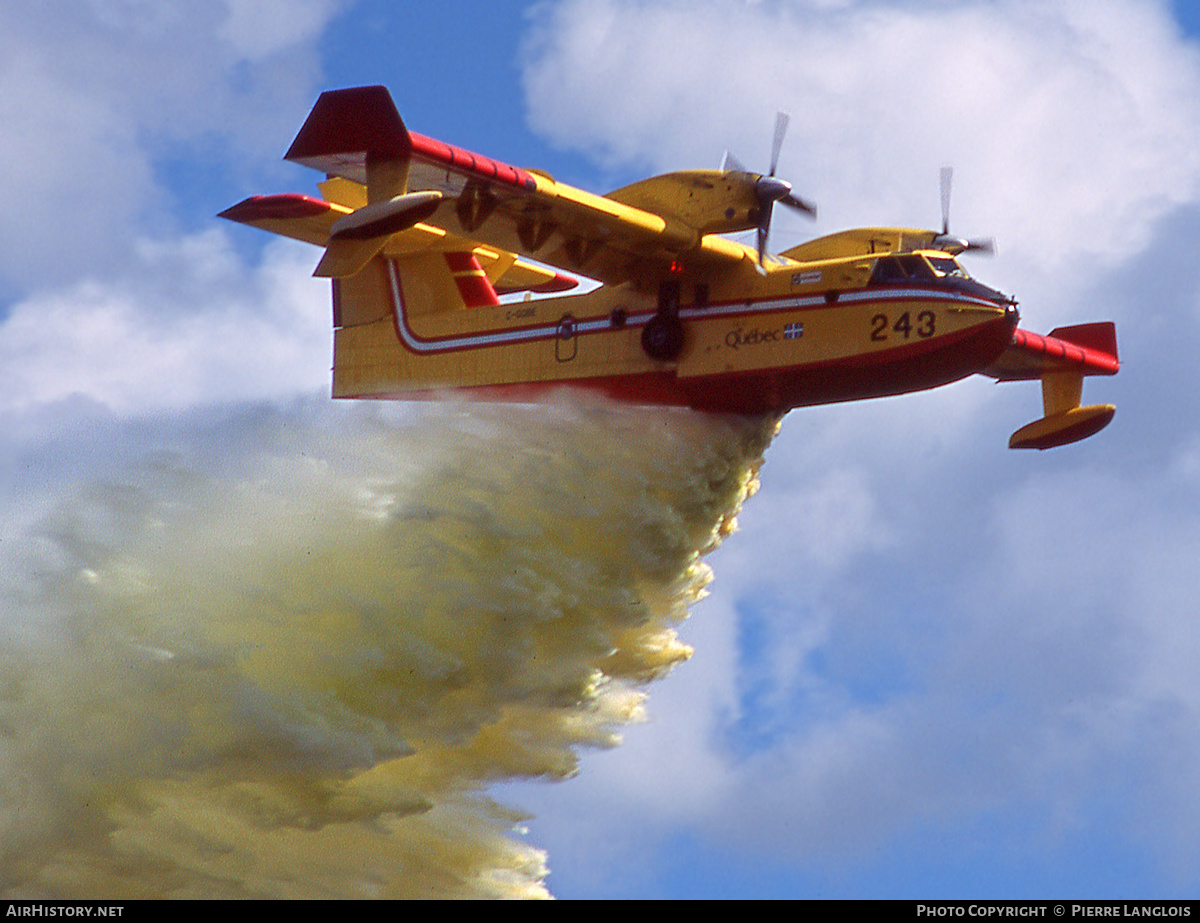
x=928 y=667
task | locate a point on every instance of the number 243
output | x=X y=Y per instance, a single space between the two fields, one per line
x=924 y=327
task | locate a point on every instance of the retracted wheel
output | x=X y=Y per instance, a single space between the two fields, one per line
x=662 y=337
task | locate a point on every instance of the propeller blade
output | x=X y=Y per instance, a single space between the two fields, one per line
x=946 y=180
x=946 y=240
x=781 y=125
x=730 y=164
x=985 y=245
x=797 y=203
x=955 y=245
x=769 y=189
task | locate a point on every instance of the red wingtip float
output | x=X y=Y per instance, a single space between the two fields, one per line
x=420 y=237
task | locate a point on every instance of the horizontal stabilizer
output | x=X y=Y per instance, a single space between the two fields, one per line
x=292 y=215
x=347 y=257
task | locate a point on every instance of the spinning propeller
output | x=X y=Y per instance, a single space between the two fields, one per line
x=770 y=189
x=947 y=241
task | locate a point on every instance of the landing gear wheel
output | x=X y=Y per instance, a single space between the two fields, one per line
x=662 y=338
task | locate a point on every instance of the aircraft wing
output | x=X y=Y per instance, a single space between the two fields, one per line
x=358 y=135
x=311 y=220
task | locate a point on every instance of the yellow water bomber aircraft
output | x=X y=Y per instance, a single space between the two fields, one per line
x=430 y=247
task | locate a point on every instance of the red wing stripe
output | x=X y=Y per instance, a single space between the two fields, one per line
x=430 y=150
x=1101 y=336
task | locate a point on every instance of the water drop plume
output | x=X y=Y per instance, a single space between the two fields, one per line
x=290 y=658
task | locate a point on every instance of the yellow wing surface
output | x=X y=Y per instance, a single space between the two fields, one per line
x=309 y=219
x=639 y=233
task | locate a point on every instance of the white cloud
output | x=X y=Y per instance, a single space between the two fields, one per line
x=1021 y=647
x=948 y=632
x=1072 y=125
x=97 y=97
x=186 y=325
x=117 y=305
x=258 y=28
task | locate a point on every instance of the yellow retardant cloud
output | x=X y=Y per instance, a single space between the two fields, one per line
x=298 y=676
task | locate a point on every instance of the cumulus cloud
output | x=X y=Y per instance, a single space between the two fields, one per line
x=258 y=28
x=1018 y=647
x=914 y=630
x=185 y=324
x=116 y=109
x=924 y=631
x=100 y=95
x=1070 y=123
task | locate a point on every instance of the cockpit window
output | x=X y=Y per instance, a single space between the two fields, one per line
x=948 y=267
x=888 y=272
x=915 y=267
x=893 y=270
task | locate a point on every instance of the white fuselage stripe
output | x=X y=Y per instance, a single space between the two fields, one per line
x=420 y=344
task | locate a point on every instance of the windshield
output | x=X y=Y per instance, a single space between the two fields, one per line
x=913 y=267
x=907 y=268
x=930 y=270
x=945 y=266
